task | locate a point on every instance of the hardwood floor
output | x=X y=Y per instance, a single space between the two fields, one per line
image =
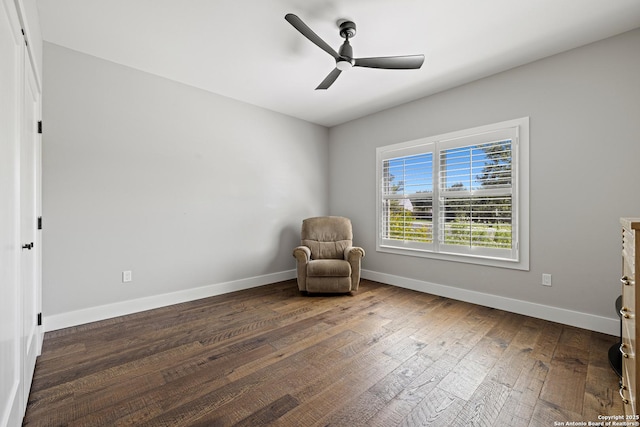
x=384 y=356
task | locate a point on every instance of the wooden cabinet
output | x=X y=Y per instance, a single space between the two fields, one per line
x=628 y=348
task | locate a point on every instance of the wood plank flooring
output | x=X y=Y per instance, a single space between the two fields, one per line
x=384 y=356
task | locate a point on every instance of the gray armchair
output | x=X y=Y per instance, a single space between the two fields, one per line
x=327 y=260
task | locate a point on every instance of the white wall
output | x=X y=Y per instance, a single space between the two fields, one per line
x=183 y=187
x=584 y=109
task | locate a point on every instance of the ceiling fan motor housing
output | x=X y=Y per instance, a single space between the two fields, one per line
x=345 y=61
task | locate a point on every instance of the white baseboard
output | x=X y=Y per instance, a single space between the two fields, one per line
x=591 y=322
x=94 y=314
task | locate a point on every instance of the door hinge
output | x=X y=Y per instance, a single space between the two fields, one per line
x=39 y=319
x=40 y=126
x=39 y=223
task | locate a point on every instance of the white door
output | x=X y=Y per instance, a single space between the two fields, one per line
x=11 y=376
x=29 y=271
x=20 y=284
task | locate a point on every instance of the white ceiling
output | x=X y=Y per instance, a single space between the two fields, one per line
x=244 y=49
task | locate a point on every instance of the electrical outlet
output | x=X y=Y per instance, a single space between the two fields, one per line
x=546 y=279
x=126 y=276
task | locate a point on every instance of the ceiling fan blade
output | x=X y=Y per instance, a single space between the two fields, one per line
x=408 y=62
x=308 y=33
x=328 y=81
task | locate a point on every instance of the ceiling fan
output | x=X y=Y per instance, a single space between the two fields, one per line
x=344 y=57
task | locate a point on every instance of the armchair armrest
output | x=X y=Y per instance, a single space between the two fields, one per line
x=302 y=254
x=353 y=253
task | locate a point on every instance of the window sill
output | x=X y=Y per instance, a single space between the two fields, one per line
x=464 y=258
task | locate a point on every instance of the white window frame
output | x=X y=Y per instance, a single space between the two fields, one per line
x=518 y=256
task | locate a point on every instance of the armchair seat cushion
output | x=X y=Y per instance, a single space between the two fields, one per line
x=328 y=268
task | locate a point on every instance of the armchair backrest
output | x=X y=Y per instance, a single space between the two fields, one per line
x=327 y=236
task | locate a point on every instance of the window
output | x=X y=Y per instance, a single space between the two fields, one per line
x=462 y=196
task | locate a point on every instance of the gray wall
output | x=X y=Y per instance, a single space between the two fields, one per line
x=188 y=189
x=584 y=109
x=181 y=186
